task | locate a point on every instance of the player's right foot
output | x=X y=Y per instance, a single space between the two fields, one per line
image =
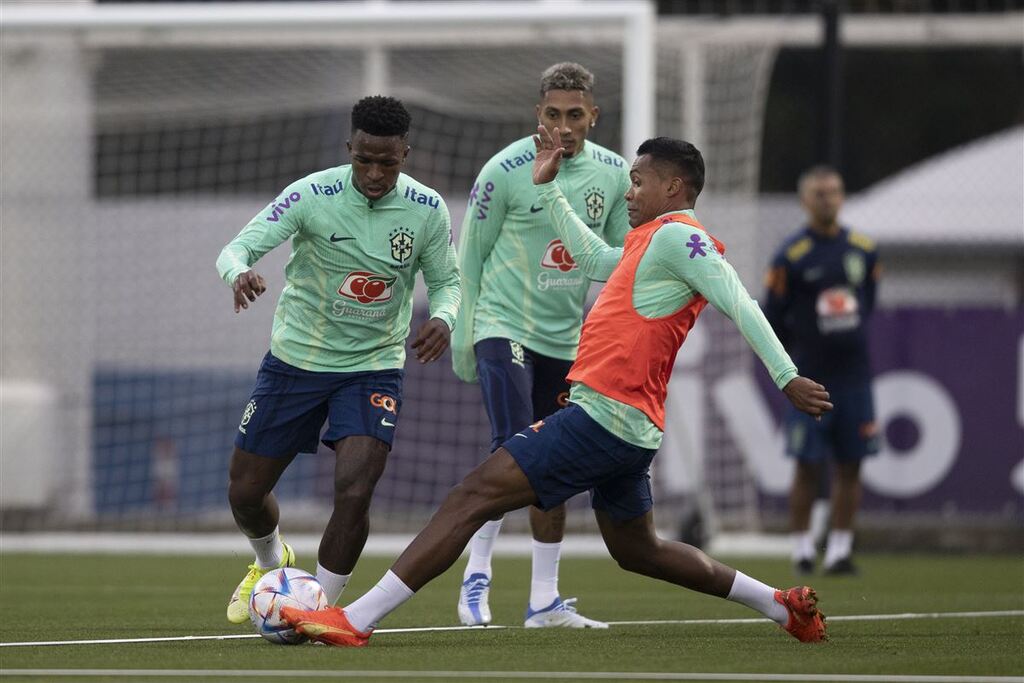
x=806 y=623
x=473 y=607
x=329 y=626
x=560 y=614
x=238 y=605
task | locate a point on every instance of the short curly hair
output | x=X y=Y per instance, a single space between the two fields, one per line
x=380 y=115
x=566 y=76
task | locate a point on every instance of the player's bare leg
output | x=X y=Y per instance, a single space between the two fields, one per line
x=359 y=464
x=250 y=491
x=548 y=526
x=637 y=548
x=802 y=494
x=493 y=488
x=250 y=494
x=846 y=494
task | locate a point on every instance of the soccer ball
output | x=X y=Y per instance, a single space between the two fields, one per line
x=279 y=588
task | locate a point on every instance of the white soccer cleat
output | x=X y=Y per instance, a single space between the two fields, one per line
x=560 y=614
x=473 y=607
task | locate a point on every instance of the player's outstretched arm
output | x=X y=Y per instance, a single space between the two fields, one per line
x=808 y=396
x=247 y=287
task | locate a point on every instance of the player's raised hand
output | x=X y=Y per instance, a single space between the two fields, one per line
x=549 y=156
x=808 y=396
x=432 y=339
x=248 y=286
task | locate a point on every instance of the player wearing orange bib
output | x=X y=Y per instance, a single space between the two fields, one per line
x=657 y=284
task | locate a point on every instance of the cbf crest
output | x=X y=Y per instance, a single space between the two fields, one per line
x=595 y=203
x=401 y=245
x=856 y=269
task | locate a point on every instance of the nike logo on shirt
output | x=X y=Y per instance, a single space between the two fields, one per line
x=335 y=238
x=384 y=420
x=535 y=209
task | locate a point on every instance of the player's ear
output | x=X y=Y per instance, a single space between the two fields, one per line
x=405 y=153
x=594 y=113
x=537 y=109
x=675 y=186
x=348 y=145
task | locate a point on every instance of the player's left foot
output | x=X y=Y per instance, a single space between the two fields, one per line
x=329 y=626
x=473 y=607
x=841 y=567
x=806 y=623
x=238 y=605
x=560 y=614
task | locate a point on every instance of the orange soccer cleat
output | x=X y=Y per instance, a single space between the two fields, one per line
x=806 y=623
x=328 y=626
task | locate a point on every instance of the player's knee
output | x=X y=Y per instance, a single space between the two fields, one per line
x=471 y=502
x=246 y=494
x=353 y=494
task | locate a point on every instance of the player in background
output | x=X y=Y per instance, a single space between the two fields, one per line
x=522 y=306
x=657 y=285
x=821 y=292
x=359 y=232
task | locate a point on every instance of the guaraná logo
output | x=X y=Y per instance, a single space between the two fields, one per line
x=367 y=287
x=556 y=256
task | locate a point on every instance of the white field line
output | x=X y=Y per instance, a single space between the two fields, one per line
x=425 y=629
x=849 y=617
x=526 y=675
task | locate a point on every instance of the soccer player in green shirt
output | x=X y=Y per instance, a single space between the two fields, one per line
x=522 y=305
x=669 y=269
x=359 y=233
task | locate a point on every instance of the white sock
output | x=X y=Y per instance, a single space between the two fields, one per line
x=821 y=511
x=757 y=596
x=481 y=547
x=269 y=550
x=333 y=583
x=378 y=602
x=803 y=545
x=544 y=584
x=840 y=545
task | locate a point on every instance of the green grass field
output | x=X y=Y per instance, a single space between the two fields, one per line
x=58 y=598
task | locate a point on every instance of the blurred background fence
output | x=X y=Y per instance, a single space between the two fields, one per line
x=137 y=139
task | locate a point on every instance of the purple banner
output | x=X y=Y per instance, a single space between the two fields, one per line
x=949 y=399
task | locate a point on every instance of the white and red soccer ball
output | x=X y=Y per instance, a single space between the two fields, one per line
x=278 y=588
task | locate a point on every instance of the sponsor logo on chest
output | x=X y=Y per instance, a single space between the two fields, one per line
x=367 y=288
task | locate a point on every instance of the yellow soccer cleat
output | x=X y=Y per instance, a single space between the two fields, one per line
x=238 y=605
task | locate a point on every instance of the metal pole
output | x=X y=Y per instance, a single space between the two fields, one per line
x=830 y=149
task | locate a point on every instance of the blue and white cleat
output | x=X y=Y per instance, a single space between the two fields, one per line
x=473 y=607
x=560 y=614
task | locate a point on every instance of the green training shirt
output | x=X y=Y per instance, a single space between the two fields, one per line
x=347 y=299
x=666 y=280
x=518 y=281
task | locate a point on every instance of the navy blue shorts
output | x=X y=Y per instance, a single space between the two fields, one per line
x=568 y=453
x=520 y=386
x=288 y=406
x=846 y=433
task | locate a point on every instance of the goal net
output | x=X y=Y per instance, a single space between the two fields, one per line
x=135 y=147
